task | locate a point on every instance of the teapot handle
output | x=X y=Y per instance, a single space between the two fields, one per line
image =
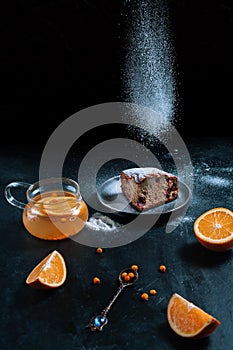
x=10 y=198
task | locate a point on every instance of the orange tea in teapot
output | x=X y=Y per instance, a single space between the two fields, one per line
x=55 y=209
x=55 y=215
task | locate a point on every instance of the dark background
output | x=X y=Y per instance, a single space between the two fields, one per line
x=58 y=57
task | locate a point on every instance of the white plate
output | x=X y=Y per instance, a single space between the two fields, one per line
x=111 y=196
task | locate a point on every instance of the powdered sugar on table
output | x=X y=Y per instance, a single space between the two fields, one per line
x=100 y=222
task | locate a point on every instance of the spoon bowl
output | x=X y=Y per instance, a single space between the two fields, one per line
x=132 y=279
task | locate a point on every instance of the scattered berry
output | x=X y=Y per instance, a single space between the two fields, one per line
x=162 y=268
x=134 y=267
x=153 y=292
x=96 y=280
x=99 y=250
x=144 y=296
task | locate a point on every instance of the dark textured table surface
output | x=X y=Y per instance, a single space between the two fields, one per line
x=58 y=57
x=57 y=319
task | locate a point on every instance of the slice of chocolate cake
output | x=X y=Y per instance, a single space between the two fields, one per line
x=146 y=188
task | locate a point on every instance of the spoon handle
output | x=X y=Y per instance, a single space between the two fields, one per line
x=99 y=321
x=115 y=296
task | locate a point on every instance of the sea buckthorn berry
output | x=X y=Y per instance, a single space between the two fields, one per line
x=96 y=280
x=131 y=274
x=153 y=292
x=134 y=267
x=144 y=296
x=124 y=274
x=162 y=268
x=126 y=278
x=99 y=250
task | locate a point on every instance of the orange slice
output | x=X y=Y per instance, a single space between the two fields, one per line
x=49 y=273
x=56 y=206
x=188 y=320
x=214 y=229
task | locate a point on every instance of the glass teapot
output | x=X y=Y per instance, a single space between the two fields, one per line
x=54 y=210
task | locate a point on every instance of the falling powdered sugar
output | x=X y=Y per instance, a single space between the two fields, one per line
x=100 y=222
x=149 y=70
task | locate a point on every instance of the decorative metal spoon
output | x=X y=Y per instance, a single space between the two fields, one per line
x=99 y=321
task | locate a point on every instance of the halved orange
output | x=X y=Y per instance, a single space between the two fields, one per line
x=49 y=273
x=214 y=229
x=188 y=320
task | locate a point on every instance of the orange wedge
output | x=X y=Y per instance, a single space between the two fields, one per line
x=188 y=320
x=49 y=273
x=214 y=229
